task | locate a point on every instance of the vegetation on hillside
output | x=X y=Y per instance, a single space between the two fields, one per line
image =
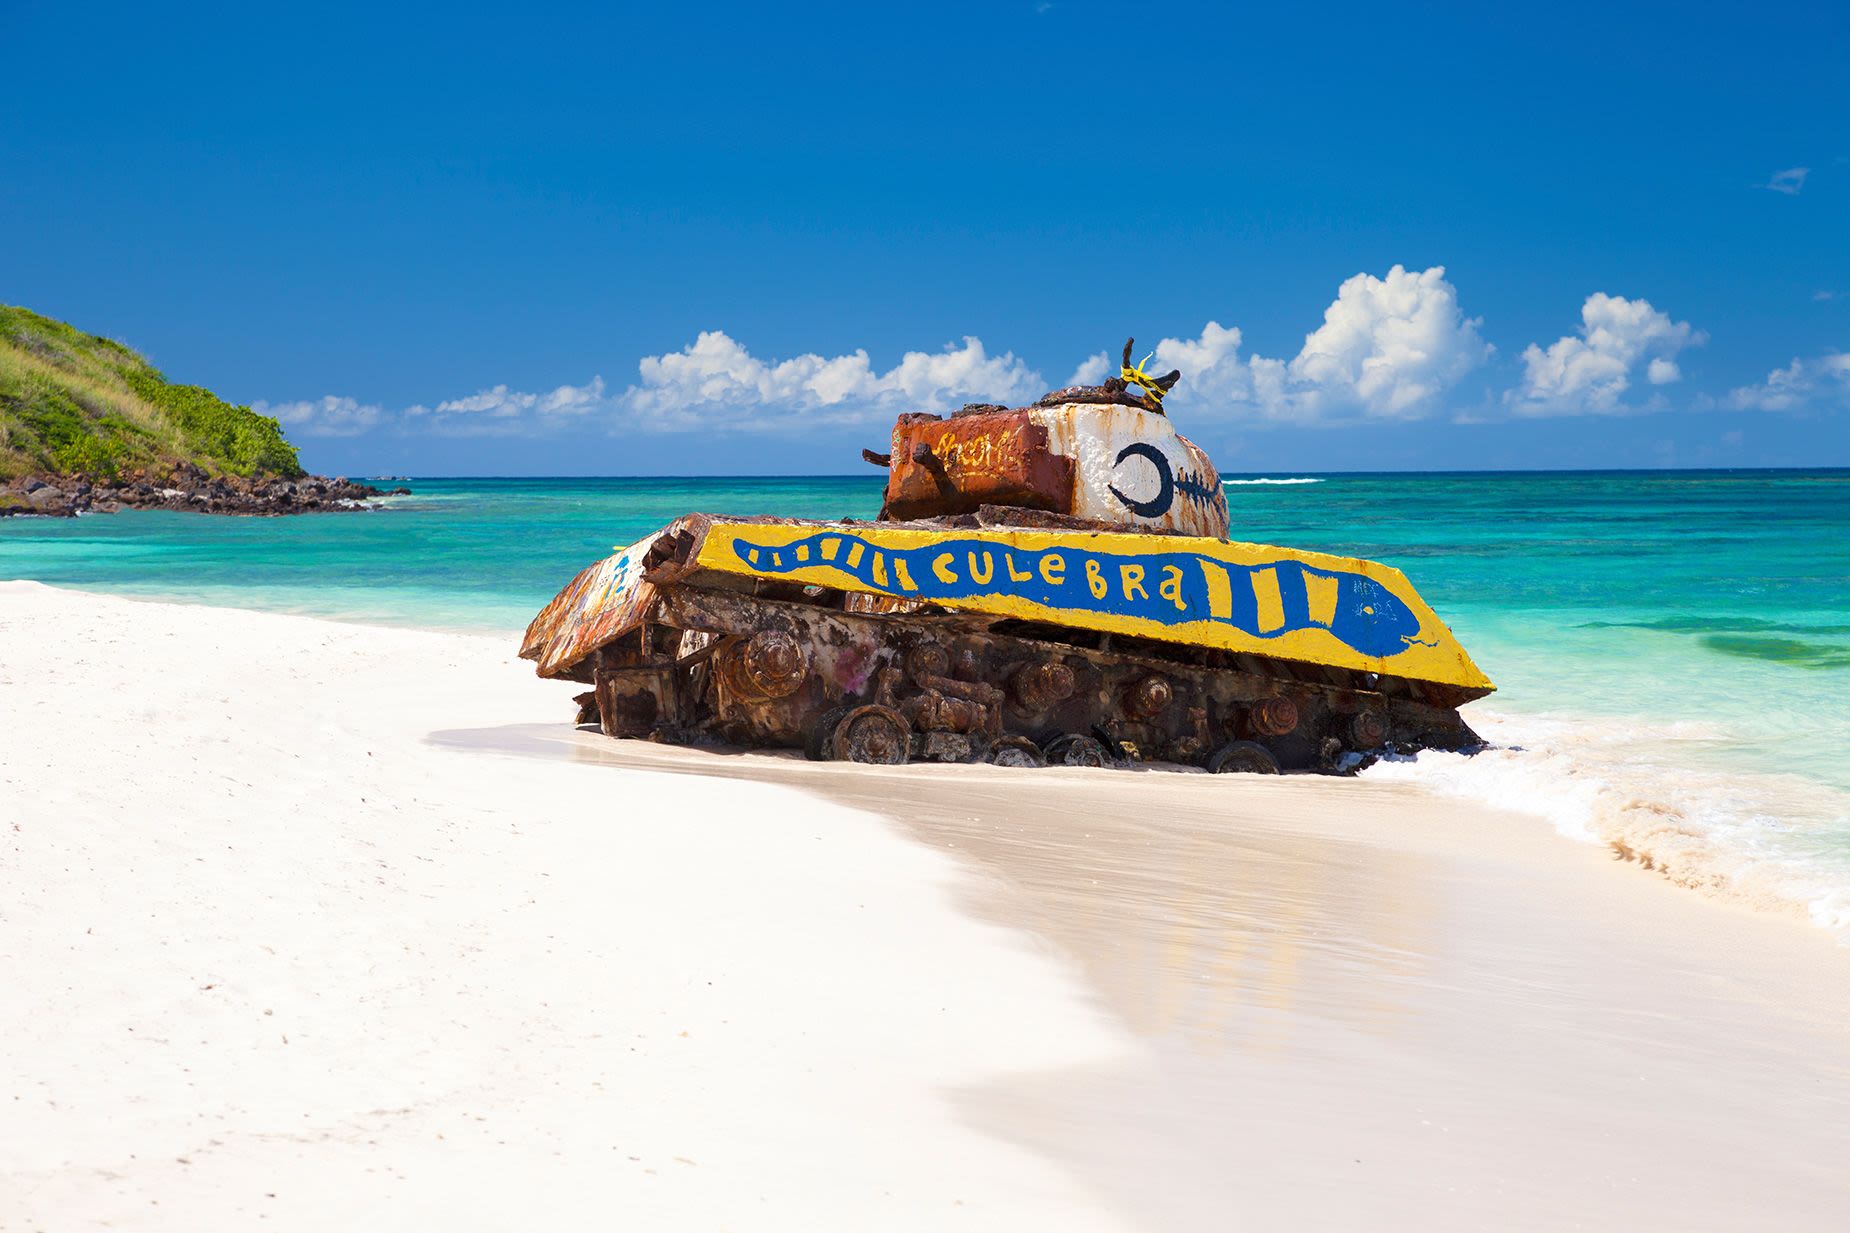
x=74 y=403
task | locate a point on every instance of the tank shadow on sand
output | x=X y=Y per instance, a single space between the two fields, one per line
x=1207 y=935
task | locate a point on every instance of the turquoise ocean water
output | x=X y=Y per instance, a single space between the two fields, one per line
x=1672 y=648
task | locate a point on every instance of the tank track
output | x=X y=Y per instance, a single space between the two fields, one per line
x=762 y=664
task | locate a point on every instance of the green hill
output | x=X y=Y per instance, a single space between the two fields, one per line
x=76 y=404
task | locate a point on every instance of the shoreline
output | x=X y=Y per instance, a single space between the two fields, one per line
x=187 y=489
x=965 y=996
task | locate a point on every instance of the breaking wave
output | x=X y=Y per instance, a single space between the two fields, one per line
x=1774 y=841
x=1293 y=480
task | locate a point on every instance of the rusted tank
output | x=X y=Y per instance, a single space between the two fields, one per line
x=1045 y=584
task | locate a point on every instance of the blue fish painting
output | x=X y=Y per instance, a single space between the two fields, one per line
x=1170 y=588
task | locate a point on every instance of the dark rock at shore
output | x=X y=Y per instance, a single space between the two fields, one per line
x=186 y=487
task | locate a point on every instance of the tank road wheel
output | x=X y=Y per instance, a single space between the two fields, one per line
x=1077 y=749
x=818 y=742
x=1016 y=751
x=1243 y=757
x=1368 y=730
x=1275 y=716
x=877 y=735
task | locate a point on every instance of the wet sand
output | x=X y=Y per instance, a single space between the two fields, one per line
x=1358 y=1005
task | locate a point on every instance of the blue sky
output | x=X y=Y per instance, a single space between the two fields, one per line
x=706 y=239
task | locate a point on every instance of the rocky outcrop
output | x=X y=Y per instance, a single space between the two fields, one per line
x=185 y=487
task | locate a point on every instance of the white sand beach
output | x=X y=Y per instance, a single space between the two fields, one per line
x=335 y=926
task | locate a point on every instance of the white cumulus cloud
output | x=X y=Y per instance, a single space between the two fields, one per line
x=329 y=416
x=712 y=382
x=1213 y=374
x=1092 y=370
x=1391 y=345
x=1798 y=384
x=1389 y=349
x=1590 y=371
x=717 y=381
x=500 y=410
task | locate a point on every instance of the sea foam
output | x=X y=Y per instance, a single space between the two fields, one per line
x=1774 y=841
x=1301 y=479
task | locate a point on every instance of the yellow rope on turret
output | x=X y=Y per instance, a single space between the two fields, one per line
x=1135 y=375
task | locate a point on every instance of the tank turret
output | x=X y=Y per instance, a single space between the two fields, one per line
x=1101 y=454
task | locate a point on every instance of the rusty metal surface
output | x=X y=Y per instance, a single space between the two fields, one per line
x=964 y=691
x=1149 y=394
x=562 y=642
x=952 y=466
x=1115 y=464
x=613 y=597
x=1133 y=468
x=604 y=601
x=713 y=663
x=1320 y=611
x=634 y=702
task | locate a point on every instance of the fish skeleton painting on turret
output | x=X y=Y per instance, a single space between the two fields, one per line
x=1052 y=583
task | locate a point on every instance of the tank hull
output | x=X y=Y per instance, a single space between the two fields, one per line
x=974 y=637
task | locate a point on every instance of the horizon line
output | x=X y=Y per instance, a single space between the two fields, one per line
x=871 y=474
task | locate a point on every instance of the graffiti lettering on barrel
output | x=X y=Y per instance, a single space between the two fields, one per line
x=1168 y=588
x=987 y=451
